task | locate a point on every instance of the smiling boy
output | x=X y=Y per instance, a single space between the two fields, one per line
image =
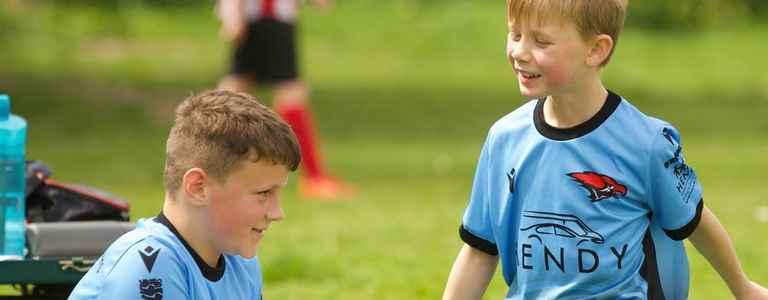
x=578 y=193
x=227 y=159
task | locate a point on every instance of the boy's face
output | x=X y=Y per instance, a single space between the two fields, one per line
x=242 y=207
x=548 y=58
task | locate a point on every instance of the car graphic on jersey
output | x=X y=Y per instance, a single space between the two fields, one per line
x=599 y=186
x=561 y=225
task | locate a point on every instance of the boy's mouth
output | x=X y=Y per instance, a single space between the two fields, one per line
x=528 y=75
x=257 y=230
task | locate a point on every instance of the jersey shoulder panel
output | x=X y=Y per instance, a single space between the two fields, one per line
x=520 y=117
x=143 y=243
x=643 y=128
x=141 y=264
x=512 y=126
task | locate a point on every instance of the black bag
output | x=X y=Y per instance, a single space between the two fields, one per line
x=51 y=201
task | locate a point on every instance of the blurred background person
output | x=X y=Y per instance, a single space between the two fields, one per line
x=263 y=37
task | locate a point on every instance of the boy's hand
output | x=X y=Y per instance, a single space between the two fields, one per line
x=754 y=292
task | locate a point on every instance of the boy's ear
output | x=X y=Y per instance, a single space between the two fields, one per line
x=600 y=48
x=195 y=183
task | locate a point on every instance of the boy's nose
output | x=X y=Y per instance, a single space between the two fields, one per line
x=276 y=212
x=517 y=51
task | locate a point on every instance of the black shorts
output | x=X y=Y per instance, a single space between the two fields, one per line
x=267 y=53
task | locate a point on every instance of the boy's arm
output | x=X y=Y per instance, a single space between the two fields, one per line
x=470 y=275
x=713 y=242
x=232 y=20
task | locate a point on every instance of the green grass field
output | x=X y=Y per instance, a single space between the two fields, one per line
x=403 y=94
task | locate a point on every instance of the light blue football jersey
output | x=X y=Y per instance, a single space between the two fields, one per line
x=596 y=211
x=153 y=261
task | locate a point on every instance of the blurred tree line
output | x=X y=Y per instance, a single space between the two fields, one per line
x=691 y=14
x=648 y=14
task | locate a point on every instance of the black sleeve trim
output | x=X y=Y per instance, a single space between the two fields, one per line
x=478 y=242
x=685 y=231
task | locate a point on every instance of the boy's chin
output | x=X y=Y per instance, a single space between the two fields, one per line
x=530 y=94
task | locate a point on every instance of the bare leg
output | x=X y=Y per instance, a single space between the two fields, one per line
x=291 y=102
x=236 y=83
x=292 y=92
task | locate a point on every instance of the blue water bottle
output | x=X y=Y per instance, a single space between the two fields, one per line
x=13 y=134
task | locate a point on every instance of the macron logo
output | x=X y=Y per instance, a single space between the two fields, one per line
x=149 y=255
x=511 y=179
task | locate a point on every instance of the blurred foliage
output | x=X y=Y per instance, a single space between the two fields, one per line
x=649 y=14
x=692 y=14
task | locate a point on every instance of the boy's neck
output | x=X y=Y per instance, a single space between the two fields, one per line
x=569 y=109
x=182 y=217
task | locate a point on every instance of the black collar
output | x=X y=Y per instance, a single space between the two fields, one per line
x=564 y=134
x=210 y=273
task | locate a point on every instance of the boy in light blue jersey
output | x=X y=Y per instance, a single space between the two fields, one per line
x=578 y=193
x=227 y=159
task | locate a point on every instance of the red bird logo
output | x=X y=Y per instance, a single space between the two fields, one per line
x=599 y=186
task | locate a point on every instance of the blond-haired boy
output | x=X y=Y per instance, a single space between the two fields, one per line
x=578 y=193
x=227 y=159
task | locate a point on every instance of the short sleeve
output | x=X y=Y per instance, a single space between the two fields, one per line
x=476 y=229
x=145 y=270
x=676 y=197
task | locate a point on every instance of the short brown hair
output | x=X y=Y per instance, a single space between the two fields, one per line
x=216 y=130
x=591 y=17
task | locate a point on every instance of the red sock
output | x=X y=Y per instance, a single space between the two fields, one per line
x=300 y=119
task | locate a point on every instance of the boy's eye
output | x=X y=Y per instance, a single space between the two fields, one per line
x=515 y=36
x=264 y=194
